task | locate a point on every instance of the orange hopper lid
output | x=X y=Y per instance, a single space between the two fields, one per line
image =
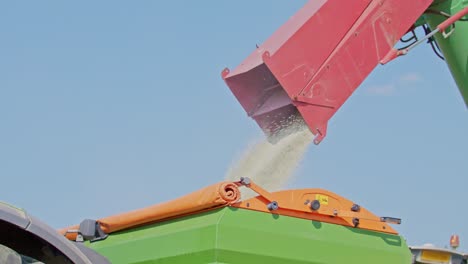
x=214 y=196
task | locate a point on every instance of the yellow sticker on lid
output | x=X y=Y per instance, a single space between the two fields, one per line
x=323 y=199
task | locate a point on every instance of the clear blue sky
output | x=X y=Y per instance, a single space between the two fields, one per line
x=114 y=105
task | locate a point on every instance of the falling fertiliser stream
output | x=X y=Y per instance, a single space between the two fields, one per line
x=271 y=165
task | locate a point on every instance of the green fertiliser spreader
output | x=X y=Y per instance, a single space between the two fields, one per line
x=213 y=225
x=305 y=71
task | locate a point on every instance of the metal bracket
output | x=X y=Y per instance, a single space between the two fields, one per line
x=91 y=230
x=447 y=34
x=451 y=22
x=244 y=181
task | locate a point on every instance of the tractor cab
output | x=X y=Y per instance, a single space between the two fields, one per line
x=25 y=239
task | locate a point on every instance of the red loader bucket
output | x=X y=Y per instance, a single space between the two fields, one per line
x=311 y=65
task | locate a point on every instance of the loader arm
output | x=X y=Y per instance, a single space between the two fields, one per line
x=313 y=63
